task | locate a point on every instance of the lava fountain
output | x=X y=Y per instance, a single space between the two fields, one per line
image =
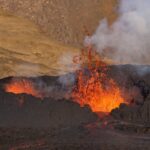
x=21 y=86
x=95 y=88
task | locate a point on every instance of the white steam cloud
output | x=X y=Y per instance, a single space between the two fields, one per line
x=126 y=41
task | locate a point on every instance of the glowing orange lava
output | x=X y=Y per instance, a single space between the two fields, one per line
x=21 y=86
x=95 y=88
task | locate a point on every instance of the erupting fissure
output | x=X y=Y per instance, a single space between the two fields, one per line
x=95 y=88
x=21 y=86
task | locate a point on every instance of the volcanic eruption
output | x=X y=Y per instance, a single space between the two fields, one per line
x=93 y=100
x=95 y=88
x=22 y=85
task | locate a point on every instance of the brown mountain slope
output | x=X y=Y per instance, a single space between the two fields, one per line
x=64 y=20
x=24 y=50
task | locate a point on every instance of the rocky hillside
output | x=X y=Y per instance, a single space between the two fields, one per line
x=67 y=21
x=24 y=50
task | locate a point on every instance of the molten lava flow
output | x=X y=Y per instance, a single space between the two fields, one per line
x=95 y=88
x=22 y=86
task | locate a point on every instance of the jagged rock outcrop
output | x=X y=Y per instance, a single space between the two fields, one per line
x=133 y=113
x=135 y=82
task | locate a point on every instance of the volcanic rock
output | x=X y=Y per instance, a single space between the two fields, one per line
x=134 y=114
x=47 y=113
x=25 y=51
x=64 y=20
x=135 y=84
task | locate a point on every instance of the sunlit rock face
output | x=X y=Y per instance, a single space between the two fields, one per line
x=25 y=51
x=29 y=51
x=67 y=21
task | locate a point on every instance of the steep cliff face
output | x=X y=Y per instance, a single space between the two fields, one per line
x=64 y=20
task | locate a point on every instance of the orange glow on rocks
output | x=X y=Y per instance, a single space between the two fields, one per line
x=21 y=86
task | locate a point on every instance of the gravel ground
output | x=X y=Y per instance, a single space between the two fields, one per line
x=72 y=139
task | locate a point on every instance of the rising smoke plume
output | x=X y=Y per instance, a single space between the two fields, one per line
x=127 y=40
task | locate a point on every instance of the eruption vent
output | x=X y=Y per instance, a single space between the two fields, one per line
x=95 y=88
x=21 y=86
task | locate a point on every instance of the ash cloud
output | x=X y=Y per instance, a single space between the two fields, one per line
x=127 y=40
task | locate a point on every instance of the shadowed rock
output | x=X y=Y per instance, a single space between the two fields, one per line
x=35 y=112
